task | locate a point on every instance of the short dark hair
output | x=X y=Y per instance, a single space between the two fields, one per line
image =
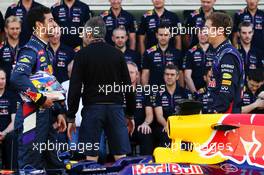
x=98 y=24
x=171 y=67
x=221 y=20
x=162 y=26
x=36 y=14
x=256 y=75
x=244 y=24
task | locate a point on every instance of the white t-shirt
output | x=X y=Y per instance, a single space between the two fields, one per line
x=78 y=118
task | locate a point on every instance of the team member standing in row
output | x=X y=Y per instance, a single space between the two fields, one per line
x=63 y=55
x=117 y=17
x=197 y=20
x=120 y=37
x=9 y=49
x=196 y=61
x=71 y=15
x=158 y=56
x=21 y=10
x=151 y=20
x=253 y=15
x=252 y=56
x=228 y=71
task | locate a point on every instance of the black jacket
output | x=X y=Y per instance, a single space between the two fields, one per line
x=100 y=67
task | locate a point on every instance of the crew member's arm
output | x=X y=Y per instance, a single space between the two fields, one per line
x=178 y=42
x=176 y=35
x=9 y=128
x=179 y=64
x=187 y=67
x=189 y=80
x=132 y=41
x=145 y=128
x=187 y=36
x=160 y=118
x=145 y=77
x=159 y=112
x=235 y=39
x=132 y=33
x=75 y=87
x=87 y=14
x=142 y=35
x=146 y=64
x=20 y=76
x=235 y=30
x=12 y=110
x=257 y=104
x=2 y=23
x=229 y=84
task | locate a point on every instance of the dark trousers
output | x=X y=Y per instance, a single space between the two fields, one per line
x=111 y=119
x=9 y=151
x=145 y=141
x=37 y=139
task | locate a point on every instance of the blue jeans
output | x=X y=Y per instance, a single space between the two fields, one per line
x=104 y=117
x=102 y=147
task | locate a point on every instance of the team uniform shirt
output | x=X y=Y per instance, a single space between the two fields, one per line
x=62 y=58
x=131 y=55
x=258 y=25
x=249 y=98
x=72 y=19
x=203 y=97
x=196 y=19
x=8 y=58
x=170 y=103
x=155 y=60
x=228 y=76
x=150 y=21
x=197 y=60
x=2 y=22
x=253 y=59
x=20 y=11
x=124 y=19
x=7 y=107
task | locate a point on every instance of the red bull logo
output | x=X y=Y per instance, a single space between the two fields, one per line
x=244 y=144
x=166 y=168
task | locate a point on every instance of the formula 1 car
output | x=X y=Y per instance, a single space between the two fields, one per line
x=201 y=144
